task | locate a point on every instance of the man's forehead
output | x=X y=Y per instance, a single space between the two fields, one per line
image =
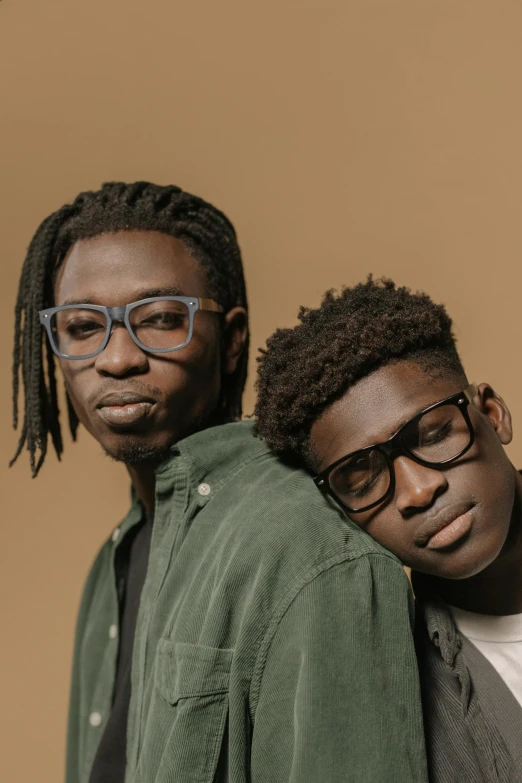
x=129 y=263
x=376 y=406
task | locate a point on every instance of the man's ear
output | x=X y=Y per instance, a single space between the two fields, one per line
x=235 y=335
x=496 y=411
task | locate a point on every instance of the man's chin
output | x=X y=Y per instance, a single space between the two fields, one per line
x=134 y=453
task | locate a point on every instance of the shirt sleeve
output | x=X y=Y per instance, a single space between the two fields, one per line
x=338 y=696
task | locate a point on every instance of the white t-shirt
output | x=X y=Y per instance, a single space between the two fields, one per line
x=499 y=639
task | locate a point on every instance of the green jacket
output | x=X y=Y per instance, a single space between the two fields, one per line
x=273 y=640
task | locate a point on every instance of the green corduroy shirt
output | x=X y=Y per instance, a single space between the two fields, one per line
x=273 y=640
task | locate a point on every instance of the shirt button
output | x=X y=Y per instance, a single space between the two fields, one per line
x=116 y=534
x=204 y=489
x=113 y=631
x=95 y=718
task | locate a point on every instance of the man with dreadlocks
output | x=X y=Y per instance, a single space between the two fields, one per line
x=232 y=628
x=369 y=393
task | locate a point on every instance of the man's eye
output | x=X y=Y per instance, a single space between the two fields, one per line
x=434 y=436
x=80 y=329
x=360 y=488
x=360 y=475
x=163 y=320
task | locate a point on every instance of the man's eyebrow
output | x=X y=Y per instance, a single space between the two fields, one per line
x=404 y=420
x=148 y=293
x=167 y=291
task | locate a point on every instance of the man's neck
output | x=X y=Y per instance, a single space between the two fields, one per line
x=497 y=590
x=144 y=481
x=143 y=475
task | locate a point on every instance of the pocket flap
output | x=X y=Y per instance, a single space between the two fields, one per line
x=185 y=670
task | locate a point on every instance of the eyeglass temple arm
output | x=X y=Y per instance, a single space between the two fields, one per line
x=471 y=392
x=209 y=304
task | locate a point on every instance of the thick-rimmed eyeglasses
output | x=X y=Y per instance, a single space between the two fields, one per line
x=435 y=437
x=160 y=324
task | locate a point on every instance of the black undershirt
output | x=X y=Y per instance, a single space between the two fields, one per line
x=131 y=566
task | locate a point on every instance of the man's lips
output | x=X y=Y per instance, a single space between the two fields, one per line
x=123 y=398
x=124 y=409
x=446 y=528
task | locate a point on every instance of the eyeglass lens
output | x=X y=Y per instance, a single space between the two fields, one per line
x=437 y=436
x=163 y=324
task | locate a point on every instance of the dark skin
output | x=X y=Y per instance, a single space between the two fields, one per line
x=482 y=570
x=184 y=386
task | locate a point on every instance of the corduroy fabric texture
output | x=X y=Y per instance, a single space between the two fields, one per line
x=273 y=641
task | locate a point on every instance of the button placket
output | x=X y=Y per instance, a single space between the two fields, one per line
x=169 y=513
x=204 y=489
x=95 y=719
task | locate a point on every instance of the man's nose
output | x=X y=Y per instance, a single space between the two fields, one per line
x=416 y=486
x=121 y=356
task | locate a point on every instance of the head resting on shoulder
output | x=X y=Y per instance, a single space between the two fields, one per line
x=360 y=369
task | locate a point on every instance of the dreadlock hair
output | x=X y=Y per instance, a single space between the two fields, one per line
x=304 y=369
x=141 y=206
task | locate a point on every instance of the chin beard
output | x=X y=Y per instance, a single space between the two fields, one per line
x=135 y=453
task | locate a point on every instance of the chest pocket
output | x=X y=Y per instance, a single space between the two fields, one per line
x=192 y=682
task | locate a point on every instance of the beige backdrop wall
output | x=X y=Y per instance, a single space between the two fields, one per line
x=382 y=137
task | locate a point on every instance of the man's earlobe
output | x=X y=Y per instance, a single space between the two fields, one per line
x=235 y=337
x=496 y=411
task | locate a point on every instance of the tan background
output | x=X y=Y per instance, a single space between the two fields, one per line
x=383 y=137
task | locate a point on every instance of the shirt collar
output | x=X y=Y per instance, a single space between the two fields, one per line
x=441 y=627
x=210 y=457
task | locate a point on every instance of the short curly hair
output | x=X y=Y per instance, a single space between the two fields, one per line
x=304 y=369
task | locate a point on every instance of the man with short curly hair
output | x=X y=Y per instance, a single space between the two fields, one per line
x=369 y=393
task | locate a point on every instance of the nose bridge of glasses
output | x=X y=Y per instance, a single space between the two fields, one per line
x=393 y=448
x=117 y=313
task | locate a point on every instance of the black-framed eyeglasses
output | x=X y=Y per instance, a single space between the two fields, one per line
x=435 y=437
x=160 y=324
